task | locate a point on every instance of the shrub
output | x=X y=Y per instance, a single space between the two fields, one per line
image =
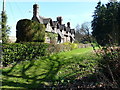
x=74 y=46
x=62 y=47
x=16 y=52
x=30 y=31
x=109 y=66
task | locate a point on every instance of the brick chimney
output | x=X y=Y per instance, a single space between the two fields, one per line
x=59 y=19
x=35 y=10
x=68 y=24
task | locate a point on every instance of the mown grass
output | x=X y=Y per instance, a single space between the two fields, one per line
x=49 y=71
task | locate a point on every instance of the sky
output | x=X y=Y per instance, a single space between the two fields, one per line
x=73 y=11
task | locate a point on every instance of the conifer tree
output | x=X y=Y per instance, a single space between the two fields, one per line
x=4 y=27
x=106 y=23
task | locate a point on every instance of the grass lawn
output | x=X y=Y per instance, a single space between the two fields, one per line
x=49 y=71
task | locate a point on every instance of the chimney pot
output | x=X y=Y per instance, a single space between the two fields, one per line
x=36 y=10
x=68 y=24
x=59 y=19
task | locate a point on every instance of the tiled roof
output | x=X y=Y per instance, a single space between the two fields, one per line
x=61 y=27
x=46 y=20
x=40 y=19
x=54 y=24
x=43 y=20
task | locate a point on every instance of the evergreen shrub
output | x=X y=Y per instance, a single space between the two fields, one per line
x=16 y=52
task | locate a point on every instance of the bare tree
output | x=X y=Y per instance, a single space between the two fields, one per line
x=83 y=32
x=112 y=0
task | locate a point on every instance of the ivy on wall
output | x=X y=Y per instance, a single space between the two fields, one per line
x=52 y=36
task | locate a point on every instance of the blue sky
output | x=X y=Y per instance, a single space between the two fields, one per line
x=75 y=12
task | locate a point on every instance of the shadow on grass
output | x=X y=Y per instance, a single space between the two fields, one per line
x=96 y=81
x=43 y=73
x=33 y=75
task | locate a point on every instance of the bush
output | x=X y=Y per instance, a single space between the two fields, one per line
x=109 y=66
x=62 y=47
x=16 y=52
x=30 y=31
x=71 y=45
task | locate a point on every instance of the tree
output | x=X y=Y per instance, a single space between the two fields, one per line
x=30 y=31
x=105 y=24
x=4 y=27
x=82 y=34
x=0 y=34
x=112 y=0
x=78 y=36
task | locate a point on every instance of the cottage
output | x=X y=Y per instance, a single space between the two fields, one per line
x=63 y=33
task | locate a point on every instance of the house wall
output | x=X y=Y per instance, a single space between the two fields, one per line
x=47 y=39
x=63 y=36
x=49 y=28
x=51 y=37
x=55 y=30
x=65 y=39
x=62 y=40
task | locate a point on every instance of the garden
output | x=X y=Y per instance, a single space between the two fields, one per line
x=92 y=62
x=57 y=70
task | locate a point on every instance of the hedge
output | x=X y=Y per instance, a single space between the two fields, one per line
x=65 y=47
x=32 y=31
x=16 y=52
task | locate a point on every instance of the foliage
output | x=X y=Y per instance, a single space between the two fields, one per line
x=106 y=30
x=54 y=71
x=106 y=23
x=82 y=34
x=62 y=47
x=71 y=45
x=109 y=66
x=112 y=0
x=52 y=37
x=4 y=28
x=30 y=31
x=16 y=52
